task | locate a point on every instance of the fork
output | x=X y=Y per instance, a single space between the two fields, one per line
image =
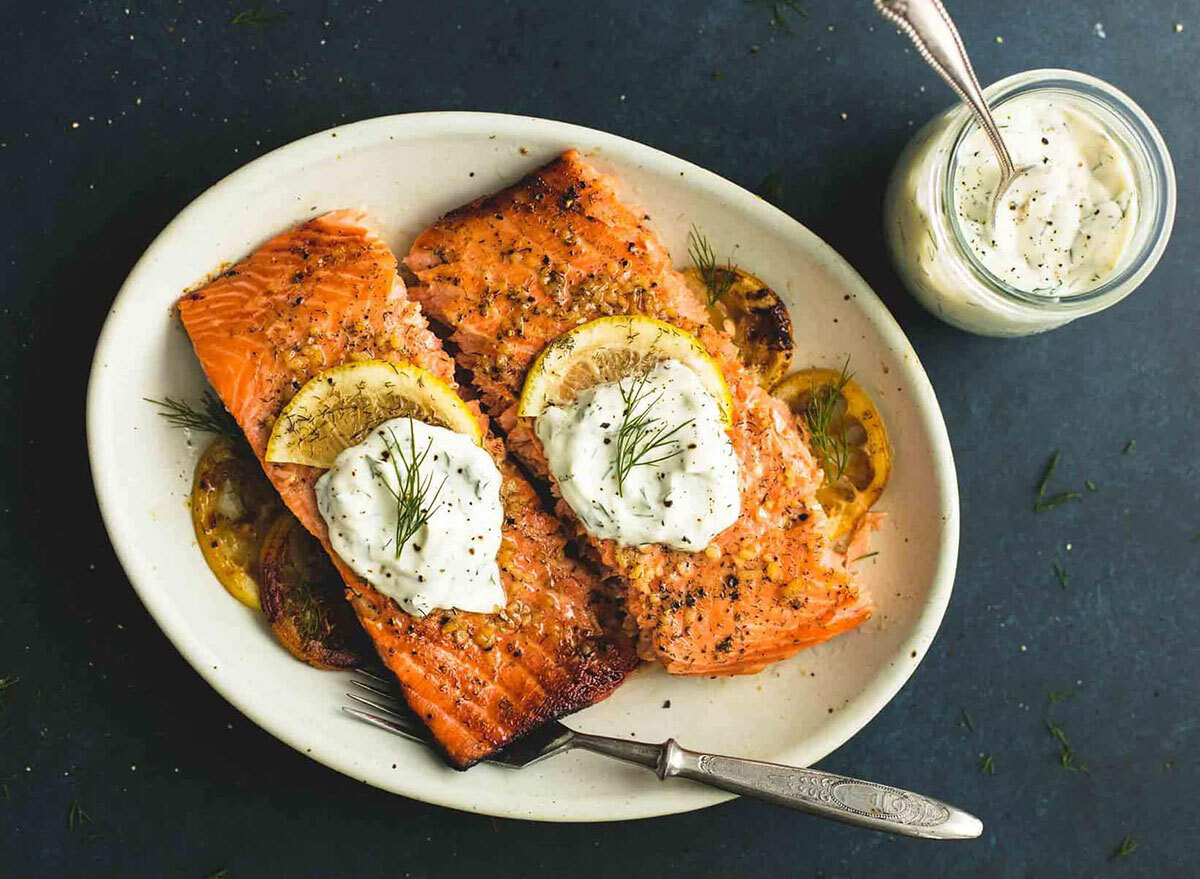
x=825 y=794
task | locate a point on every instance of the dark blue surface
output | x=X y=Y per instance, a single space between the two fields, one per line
x=169 y=97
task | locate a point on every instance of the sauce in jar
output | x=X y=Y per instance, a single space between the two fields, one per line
x=1074 y=234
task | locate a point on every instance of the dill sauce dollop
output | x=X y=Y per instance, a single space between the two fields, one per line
x=681 y=493
x=449 y=561
x=1064 y=224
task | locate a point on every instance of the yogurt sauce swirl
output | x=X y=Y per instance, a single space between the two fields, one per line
x=1064 y=225
x=684 y=494
x=450 y=560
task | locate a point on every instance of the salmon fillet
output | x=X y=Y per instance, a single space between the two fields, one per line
x=510 y=273
x=327 y=293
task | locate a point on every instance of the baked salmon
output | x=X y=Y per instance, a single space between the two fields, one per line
x=510 y=273
x=327 y=293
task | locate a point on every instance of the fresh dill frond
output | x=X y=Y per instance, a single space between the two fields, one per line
x=257 y=16
x=779 y=12
x=987 y=764
x=5 y=685
x=1090 y=486
x=1060 y=695
x=1041 y=503
x=717 y=278
x=218 y=874
x=1127 y=846
x=414 y=504
x=1061 y=573
x=1128 y=450
x=1066 y=755
x=77 y=817
x=965 y=721
x=642 y=439
x=209 y=416
x=865 y=556
x=826 y=427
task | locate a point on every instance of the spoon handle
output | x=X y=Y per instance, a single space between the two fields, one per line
x=928 y=25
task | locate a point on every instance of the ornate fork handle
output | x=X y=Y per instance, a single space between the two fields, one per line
x=928 y=25
x=850 y=800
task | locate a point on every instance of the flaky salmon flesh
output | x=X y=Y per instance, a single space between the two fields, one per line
x=510 y=273
x=328 y=293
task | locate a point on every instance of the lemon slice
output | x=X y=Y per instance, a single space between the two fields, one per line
x=847 y=435
x=607 y=350
x=759 y=320
x=340 y=405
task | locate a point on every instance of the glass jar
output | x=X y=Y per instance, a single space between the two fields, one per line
x=927 y=243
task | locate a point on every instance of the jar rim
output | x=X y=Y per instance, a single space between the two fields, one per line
x=1140 y=130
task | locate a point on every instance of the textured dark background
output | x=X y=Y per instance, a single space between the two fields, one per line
x=113 y=118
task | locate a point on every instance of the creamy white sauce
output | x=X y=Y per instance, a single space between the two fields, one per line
x=1064 y=225
x=684 y=494
x=448 y=562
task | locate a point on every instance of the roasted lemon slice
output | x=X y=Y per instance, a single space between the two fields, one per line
x=340 y=405
x=758 y=318
x=302 y=598
x=607 y=350
x=233 y=505
x=847 y=435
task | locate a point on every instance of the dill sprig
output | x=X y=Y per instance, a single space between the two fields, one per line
x=1067 y=754
x=414 y=505
x=965 y=721
x=257 y=16
x=717 y=278
x=1061 y=574
x=826 y=427
x=779 y=10
x=77 y=817
x=642 y=439
x=5 y=684
x=987 y=764
x=1127 y=846
x=209 y=416
x=1041 y=503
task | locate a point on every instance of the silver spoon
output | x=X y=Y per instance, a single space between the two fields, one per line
x=928 y=25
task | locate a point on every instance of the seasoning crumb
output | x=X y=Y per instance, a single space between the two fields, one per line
x=1178 y=27
x=1000 y=39
x=1098 y=30
x=844 y=116
x=666 y=703
x=1024 y=648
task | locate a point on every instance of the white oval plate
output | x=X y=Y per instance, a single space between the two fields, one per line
x=407 y=171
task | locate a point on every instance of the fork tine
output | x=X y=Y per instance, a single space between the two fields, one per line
x=370 y=674
x=400 y=718
x=384 y=724
x=378 y=691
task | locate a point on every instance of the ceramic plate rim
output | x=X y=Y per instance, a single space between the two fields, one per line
x=296 y=154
